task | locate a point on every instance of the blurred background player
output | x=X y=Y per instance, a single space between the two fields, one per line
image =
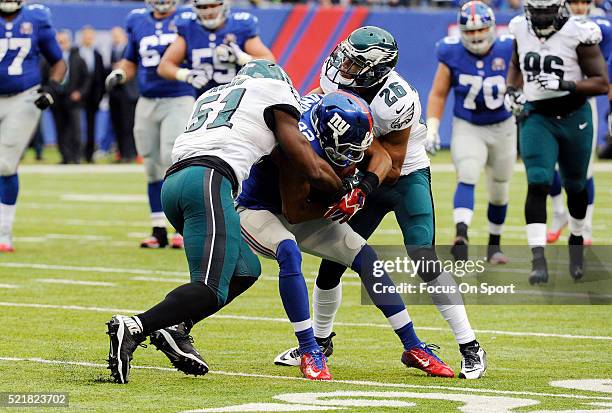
x=231 y=128
x=560 y=219
x=558 y=63
x=162 y=110
x=215 y=43
x=364 y=63
x=26 y=32
x=484 y=133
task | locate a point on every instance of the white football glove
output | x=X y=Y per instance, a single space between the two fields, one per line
x=115 y=78
x=549 y=81
x=432 y=141
x=232 y=53
x=514 y=100
x=196 y=78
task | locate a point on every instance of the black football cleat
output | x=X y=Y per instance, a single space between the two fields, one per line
x=473 y=362
x=176 y=343
x=124 y=339
x=459 y=250
x=576 y=257
x=326 y=344
x=539 y=269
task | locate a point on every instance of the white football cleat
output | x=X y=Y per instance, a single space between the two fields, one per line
x=473 y=362
x=290 y=357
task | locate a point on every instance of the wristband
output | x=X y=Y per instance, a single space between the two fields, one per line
x=568 y=85
x=369 y=182
x=433 y=124
x=181 y=75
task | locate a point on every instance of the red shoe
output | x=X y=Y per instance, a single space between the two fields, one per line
x=553 y=236
x=177 y=241
x=153 y=242
x=314 y=366
x=423 y=358
x=6 y=248
x=588 y=242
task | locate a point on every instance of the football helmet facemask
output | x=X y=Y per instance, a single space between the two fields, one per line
x=212 y=13
x=476 y=22
x=364 y=59
x=546 y=17
x=10 y=6
x=343 y=126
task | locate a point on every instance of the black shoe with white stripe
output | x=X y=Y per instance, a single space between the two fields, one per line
x=176 y=343
x=125 y=336
x=473 y=362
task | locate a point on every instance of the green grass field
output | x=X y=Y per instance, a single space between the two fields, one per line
x=78 y=262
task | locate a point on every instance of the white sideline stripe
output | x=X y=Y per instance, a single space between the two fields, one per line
x=92 y=269
x=76 y=282
x=8 y=286
x=114 y=169
x=283 y=320
x=104 y=198
x=363 y=383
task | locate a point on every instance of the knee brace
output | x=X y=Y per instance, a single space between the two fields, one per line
x=289 y=259
x=535 y=205
x=577 y=203
x=499 y=192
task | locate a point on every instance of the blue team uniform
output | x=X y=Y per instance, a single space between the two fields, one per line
x=481 y=75
x=201 y=43
x=606 y=41
x=148 y=39
x=261 y=191
x=23 y=39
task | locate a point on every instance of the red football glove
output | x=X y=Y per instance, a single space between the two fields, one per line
x=348 y=206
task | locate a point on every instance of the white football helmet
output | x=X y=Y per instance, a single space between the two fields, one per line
x=212 y=13
x=10 y=6
x=162 y=6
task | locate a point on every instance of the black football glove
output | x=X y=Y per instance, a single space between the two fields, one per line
x=46 y=95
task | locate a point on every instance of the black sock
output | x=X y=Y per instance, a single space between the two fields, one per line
x=462 y=230
x=494 y=239
x=161 y=234
x=189 y=302
x=462 y=347
x=575 y=240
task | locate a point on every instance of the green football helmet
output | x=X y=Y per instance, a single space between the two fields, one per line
x=364 y=59
x=264 y=69
x=546 y=17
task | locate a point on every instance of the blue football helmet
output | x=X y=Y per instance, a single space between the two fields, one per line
x=343 y=125
x=473 y=16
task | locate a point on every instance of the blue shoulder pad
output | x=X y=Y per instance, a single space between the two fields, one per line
x=38 y=13
x=447 y=50
x=134 y=16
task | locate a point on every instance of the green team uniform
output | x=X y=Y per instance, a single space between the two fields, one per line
x=558 y=125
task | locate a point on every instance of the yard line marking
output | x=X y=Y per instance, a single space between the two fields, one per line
x=364 y=383
x=106 y=198
x=93 y=269
x=9 y=286
x=283 y=320
x=261 y=277
x=75 y=282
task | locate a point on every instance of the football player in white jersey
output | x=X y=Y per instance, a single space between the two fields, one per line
x=232 y=127
x=364 y=63
x=558 y=64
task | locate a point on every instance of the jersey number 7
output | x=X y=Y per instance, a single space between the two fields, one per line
x=22 y=45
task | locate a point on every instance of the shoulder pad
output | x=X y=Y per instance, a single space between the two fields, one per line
x=446 y=47
x=586 y=31
x=135 y=15
x=402 y=110
x=244 y=16
x=308 y=101
x=38 y=12
x=515 y=23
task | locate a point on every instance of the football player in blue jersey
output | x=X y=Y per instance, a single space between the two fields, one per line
x=25 y=33
x=484 y=134
x=280 y=216
x=560 y=219
x=215 y=43
x=163 y=108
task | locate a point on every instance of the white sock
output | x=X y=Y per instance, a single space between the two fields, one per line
x=454 y=314
x=7 y=217
x=158 y=219
x=536 y=235
x=495 y=229
x=587 y=230
x=575 y=226
x=399 y=320
x=302 y=325
x=325 y=305
x=463 y=215
x=558 y=204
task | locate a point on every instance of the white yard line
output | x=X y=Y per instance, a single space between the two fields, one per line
x=75 y=282
x=349 y=382
x=103 y=270
x=9 y=286
x=283 y=320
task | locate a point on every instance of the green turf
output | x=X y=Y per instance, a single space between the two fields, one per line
x=62 y=236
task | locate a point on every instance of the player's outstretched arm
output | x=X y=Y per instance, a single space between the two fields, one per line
x=396 y=143
x=435 y=106
x=594 y=67
x=300 y=154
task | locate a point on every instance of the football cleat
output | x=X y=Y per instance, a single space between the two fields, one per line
x=124 y=337
x=176 y=343
x=423 y=358
x=559 y=222
x=473 y=363
x=459 y=250
x=539 y=269
x=6 y=241
x=314 y=366
x=495 y=255
x=177 y=241
x=576 y=261
x=291 y=357
x=158 y=239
